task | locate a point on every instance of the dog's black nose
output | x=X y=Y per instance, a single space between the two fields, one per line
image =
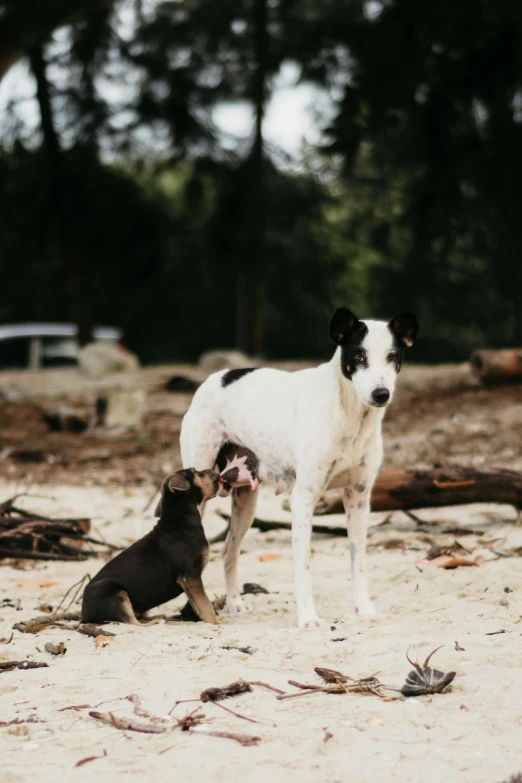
x=380 y=396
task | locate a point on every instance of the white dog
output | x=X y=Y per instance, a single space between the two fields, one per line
x=305 y=428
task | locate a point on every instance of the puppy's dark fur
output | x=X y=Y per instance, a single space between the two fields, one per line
x=160 y=566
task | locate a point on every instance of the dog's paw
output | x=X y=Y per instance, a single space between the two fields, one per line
x=366 y=610
x=310 y=621
x=236 y=605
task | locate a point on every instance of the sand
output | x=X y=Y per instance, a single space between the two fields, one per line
x=471 y=733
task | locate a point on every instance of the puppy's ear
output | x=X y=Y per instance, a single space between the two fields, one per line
x=343 y=324
x=179 y=483
x=405 y=328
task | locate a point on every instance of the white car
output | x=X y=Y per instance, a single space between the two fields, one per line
x=38 y=346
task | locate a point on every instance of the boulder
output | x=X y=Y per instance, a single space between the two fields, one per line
x=96 y=360
x=213 y=361
x=125 y=409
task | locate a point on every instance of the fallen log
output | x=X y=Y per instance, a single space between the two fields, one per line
x=412 y=489
x=27 y=534
x=503 y=366
x=265 y=525
x=408 y=490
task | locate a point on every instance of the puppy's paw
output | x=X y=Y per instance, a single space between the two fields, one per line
x=310 y=621
x=236 y=605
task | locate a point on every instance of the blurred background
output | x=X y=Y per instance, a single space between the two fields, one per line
x=209 y=173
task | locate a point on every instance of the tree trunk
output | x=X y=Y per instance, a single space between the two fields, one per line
x=410 y=489
x=29 y=22
x=254 y=296
x=70 y=258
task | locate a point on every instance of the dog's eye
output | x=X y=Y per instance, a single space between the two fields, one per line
x=359 y=357
x=392 y=357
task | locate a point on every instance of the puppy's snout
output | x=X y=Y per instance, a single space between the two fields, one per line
x=209 y=482
x=380 y=396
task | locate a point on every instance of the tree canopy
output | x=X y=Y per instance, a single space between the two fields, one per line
x=127 y=207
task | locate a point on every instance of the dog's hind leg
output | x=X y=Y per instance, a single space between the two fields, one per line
x=199 y=600
x=157 y=618
x=244 y=502
x=120 y=608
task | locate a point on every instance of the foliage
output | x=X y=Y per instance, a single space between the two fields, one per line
x=417 y=205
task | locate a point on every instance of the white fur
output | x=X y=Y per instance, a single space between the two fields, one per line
x=305 y=428
x=380 y=373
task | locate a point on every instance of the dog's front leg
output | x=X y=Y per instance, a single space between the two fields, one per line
x=357 y=506
x=303 y=502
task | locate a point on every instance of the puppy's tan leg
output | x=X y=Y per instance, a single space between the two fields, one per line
x=126 y=614
x=124 y=610
x=157 y=618
x=200 y=602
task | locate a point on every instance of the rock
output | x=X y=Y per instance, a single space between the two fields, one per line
x=213 y=361
x=125 y=408
x=97 y=360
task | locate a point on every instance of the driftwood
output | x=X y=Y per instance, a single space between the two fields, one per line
x=129 y=724
x=265 y=525
x=8 y=666
x=504 y=366
x=410 y=489
x=27 y=534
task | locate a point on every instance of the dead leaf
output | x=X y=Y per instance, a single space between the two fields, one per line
x=89 y=758
x=5 y=640
x=267 y=557
x=46 y=608
x=102 y=641
x=37 y=583
x=55 y=649
x=446 y=561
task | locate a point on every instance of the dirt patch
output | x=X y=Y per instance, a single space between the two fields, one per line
x=440 y=416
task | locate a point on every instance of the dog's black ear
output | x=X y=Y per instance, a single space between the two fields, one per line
x=405 y=328
x=179 y=483
x=343 y=324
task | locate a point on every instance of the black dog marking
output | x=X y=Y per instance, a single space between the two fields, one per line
x=235 y=375
x=163 y=564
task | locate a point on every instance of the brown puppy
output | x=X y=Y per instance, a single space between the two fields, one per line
x=166 y=562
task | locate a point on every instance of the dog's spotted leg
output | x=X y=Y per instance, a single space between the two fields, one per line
x=244 y=502
x=357 y=507
x=200 y=602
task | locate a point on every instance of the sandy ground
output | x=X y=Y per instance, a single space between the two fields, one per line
x=470 y=734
